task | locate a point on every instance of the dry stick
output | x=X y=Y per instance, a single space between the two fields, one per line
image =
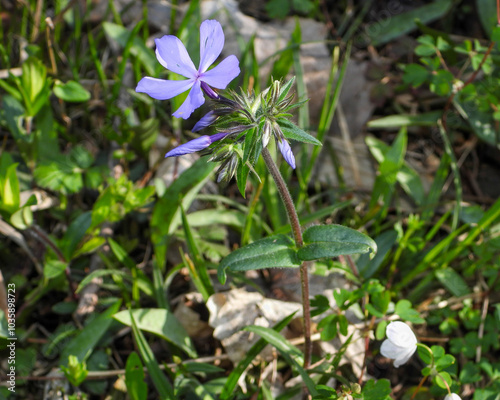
x=297 y=234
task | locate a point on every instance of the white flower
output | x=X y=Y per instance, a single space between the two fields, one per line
x=452 y=396
x=400 y=344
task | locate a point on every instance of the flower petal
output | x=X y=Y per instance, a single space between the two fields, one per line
x=404 y=356
x=172 y=54
x=286 y=151
x=207 y=120
x=194 y=100
x=163 y=89
x=400 y=334
x=211 y=43
x=196 y=144
x=452 y=396
x=220 y=76
x=390 y=350
x=218 y=136
x=190 y=147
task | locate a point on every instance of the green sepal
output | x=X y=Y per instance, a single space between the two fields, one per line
x=285 y=89
x=325 y=241
x=276 y=251
x=292 y=131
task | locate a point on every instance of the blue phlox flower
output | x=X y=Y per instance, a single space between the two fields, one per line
x=286 y=152
x=196 y=144
x=172 y=54
x=283 y=145
x=207 y=120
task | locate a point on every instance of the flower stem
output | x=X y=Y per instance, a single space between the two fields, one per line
x=297 y=235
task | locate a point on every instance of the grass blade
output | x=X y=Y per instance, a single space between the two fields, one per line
x=163 y=386
x=197 y=267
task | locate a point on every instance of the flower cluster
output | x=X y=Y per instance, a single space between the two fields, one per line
x=244 y=122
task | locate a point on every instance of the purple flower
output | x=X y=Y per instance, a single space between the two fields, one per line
x=207 y=120
x=286 y=152
x=196 y=145
x=172 y=54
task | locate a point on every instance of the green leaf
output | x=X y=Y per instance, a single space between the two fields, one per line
x=161 y=323
x=71 y=91
x=10 y=190
x=83 y=344
x=380 y=331
x=12 y=112
x=121 y=254
x=326 y=241
x=76 y=371
x=289 y=352
x=64 y=172
x=415 y=75
x=328 y=327
x=276 y=251
x=342 y=296
x=293 y=132
x=159 y=379
x=278 y=8
x=75 y=233
x=33 y=79
x=425 y=354
x=406 y=312
x=397 y=25
x=377 y=390
x=441 y=378
x=197 y=267
x=398 y=121
x=89 y=246
x=137 y=389
x=470 y=373
x=441 y=82
x=487 y=11
x=444 y=362
x=53 y=268
x=452 y=281
x=391 y=165
x=380 y=303
x=22 y=218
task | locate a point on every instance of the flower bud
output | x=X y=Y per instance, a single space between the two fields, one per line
x=221 y=153
x=266 y=133
x=227 y=169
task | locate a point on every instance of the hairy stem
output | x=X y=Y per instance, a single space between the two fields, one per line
x=297 y=235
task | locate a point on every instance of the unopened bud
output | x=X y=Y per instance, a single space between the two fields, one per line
x=266 y=133
x=355 y=388
x=221 y=153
